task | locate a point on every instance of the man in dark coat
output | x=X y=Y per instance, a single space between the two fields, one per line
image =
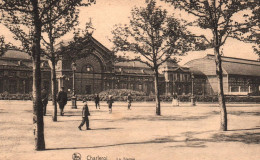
x=129 y=100
x=62 y=100
x=110 y=102
x=85 y=114
x=97 y=101
x=44 y=100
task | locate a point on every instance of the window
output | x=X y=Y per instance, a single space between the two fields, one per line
x=1 y=86
x=12 y=73
x=125 y=85
x=1 y=73
x=181 y=77
x=132 y=86
x=12 y=86
x=140 y=87
x=174 y=77
x=244 y=88
x=23 y=74
x=27 y=86
x=186 y=78
x=178 y=76
x=89 y=68
x=21 y=86
x=234 y=88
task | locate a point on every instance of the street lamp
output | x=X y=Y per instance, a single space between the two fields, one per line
x=74 y=97
x=192 y=90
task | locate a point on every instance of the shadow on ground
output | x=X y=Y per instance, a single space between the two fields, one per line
x=243 y=113
x=188 y=139
x=165 y=118
x=229 y=136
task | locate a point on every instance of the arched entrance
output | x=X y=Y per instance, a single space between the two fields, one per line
x=89 y=75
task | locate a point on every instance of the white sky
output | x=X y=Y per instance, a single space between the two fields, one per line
x=106 y=13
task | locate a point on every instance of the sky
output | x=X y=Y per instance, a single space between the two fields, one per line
x=107 y=13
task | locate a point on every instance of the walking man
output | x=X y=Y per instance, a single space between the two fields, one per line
x=62 y=100
x=85 y=114
x=129 y=101
x=44 y=100
x=97 y=101
x=110 y=103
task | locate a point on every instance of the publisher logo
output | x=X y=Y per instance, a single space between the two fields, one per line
x=76 y=156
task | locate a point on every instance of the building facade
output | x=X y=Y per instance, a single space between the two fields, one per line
x=16 y=73
x=97 y=71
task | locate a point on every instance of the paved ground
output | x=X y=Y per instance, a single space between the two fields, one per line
x=184 y=132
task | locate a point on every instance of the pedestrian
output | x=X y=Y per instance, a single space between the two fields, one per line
x=62 y=100
x=175 y=101
x=85 y=114
x=110 y=103
x=129 y=101
x=97 y=101
x=44 y=95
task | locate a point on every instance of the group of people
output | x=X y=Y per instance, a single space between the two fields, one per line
x=62 y=99
x=86 y=113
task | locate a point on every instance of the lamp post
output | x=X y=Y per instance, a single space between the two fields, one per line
x=74 y=97
x=192 y=90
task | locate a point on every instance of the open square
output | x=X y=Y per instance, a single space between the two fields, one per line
x=182 y=132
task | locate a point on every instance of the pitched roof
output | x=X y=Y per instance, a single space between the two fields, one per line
x=230 y=65
x=135 y=64
x=16 y=55
x=241 y=68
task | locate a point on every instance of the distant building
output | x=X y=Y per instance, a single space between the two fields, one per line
x=240 y=76
x=97 y=71
x=16 y=73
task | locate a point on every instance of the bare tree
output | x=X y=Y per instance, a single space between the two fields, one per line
x=25 y=19
x=152 y=37
x=218 y=17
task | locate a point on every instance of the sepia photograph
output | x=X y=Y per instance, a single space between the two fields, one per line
x=129 y=80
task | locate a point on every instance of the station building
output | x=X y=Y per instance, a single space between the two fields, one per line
x=97 y=71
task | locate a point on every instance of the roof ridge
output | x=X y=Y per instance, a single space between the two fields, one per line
x=235 y=58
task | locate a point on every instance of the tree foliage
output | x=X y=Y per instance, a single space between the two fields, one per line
x=25 y=19
x=152 y=37
x=225 y=19
x=53 y=30
x=4 y=46
x=81 y=41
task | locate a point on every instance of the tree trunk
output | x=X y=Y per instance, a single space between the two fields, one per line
x=53 y=89
x=157 y=94
x=221 y=98
x=37 y=102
